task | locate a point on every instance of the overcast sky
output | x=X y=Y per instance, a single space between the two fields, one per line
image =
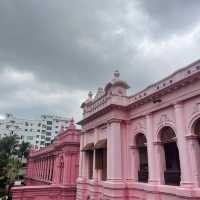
x=52 y=52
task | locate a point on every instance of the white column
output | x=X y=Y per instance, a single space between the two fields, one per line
x=194 y=152
x=134 y=163
x=85 y=161
x=114 y=150
x=47 y=174
x=160 y=162
x=95 y=173
x=182 y=145
x=81 y=156
x=66 y=171
x=150 y=150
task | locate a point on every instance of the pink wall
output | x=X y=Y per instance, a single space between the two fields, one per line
x=173 y=102
x=54 y=169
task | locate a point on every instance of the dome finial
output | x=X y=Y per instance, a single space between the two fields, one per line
x=90 y=94
x=116 y=74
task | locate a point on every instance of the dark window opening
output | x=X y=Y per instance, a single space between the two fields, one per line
x=141 y=144
x=101 y=162
x=90 y=164
x=101 y=158
x=61 y=170
x=172 y=174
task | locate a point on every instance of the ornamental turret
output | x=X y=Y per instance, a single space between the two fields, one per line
x=116 y=86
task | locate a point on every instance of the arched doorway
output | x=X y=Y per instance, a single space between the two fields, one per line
x=197 y=128
x=172 y=174
x=141 y=145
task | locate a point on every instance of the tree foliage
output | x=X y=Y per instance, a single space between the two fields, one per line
x=11 y=155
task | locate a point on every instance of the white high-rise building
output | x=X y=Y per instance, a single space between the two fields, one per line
x=39 y=133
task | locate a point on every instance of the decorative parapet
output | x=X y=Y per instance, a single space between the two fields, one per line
x=170 y=81
x=114 y=92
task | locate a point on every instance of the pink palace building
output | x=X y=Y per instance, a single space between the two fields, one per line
x=145 y=146
x=140 y=147
x=52 y=171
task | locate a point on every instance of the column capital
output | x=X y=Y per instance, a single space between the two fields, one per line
x=114 y=121
x=178 y=104
x=191 y=137
x=157 y=143
x=149 y=115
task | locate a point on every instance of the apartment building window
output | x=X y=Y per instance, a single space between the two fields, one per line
x=26 y=129
x=47 y=143
x=26 y=123
x=49 y=122
x=101 y=158
x=48 y=133
x=48 y=139
x=38 y=130
x=42 y=143
x=49 y=128
x=29 y=137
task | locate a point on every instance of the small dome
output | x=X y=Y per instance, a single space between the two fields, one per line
x=116 y=82
x=116 y=74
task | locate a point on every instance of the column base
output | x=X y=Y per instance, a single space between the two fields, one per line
x=187 y=184
x=154 y=182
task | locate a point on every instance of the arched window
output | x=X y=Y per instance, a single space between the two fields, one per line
x=141 y=144
x=172 y=163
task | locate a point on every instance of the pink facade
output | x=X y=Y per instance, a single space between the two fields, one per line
x=52 y=171
x=144 y=146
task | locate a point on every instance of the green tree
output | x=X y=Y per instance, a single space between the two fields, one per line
x=23 y=150
x=11 y=155
x=8 y=145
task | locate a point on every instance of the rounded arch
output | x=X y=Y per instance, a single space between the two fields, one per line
x=170 y=154
x=160 y=129
x=135 y=134
x=192 y=123
x=140 y=140
x=167 y=134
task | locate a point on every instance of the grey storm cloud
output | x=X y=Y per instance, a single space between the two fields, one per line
x=67 y=48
